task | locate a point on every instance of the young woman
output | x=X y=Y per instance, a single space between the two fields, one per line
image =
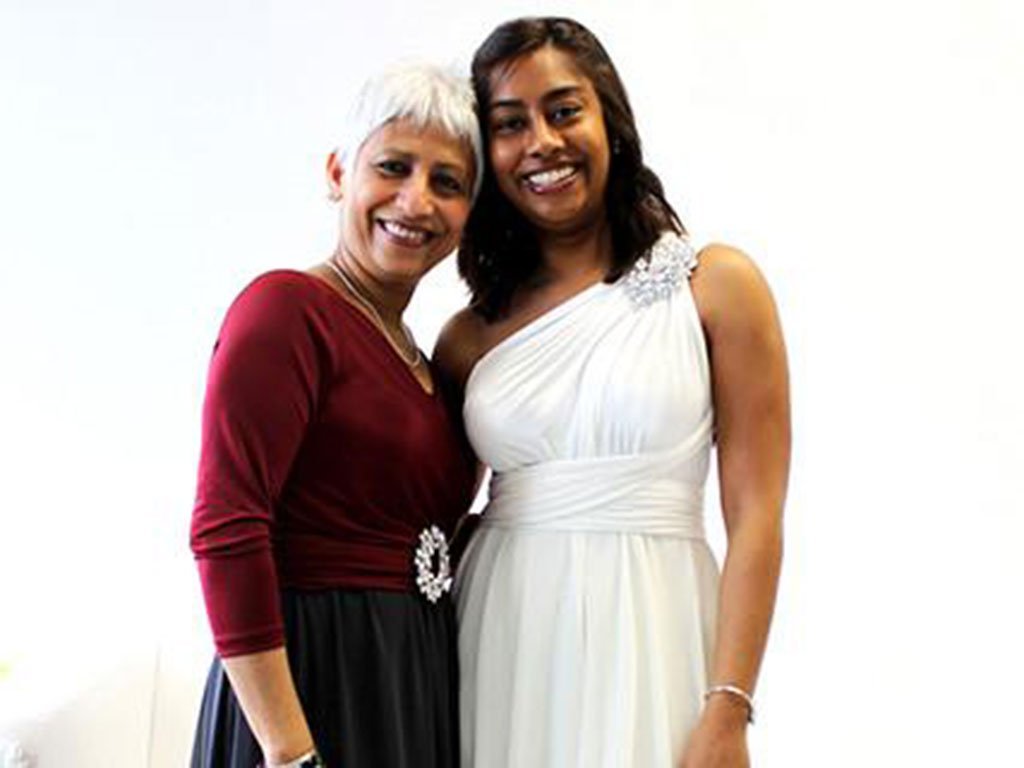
x=599 y=360
x=331 y=473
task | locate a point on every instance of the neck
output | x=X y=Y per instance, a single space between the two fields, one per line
x=390 y=298
x=577 y=256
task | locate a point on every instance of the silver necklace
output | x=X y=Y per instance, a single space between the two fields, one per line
x=359 y=296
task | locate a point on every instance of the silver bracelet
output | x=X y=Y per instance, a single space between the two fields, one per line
x=733 y=690
x=309 y=760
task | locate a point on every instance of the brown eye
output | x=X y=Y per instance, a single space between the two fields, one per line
x=509 y=124
x=564 y=113
x=392 y=167
x=448 y=184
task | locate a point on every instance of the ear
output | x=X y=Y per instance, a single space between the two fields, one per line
x=334 y=176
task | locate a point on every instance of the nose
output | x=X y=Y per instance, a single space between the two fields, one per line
x=415 y=196
x=544 y=139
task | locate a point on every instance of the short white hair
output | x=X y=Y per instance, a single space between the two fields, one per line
x=424 y=94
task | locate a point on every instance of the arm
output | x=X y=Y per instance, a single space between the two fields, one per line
x=751 y=396
x=458 y=347
x=263 y=683
x=261 y=392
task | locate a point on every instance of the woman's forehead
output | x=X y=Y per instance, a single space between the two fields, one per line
x=535 y=74
x=404 y=135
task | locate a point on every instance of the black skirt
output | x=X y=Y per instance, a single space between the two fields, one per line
x=377 y=675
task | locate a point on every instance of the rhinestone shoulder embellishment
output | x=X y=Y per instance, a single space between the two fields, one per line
x=433 y=584
x=658 y=273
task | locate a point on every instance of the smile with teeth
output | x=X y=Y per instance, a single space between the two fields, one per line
x=403 y=233
x=554 y=178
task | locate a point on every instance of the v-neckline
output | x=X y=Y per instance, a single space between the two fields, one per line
x=379 y=333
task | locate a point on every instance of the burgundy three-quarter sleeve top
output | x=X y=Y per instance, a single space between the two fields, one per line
x=322 y=459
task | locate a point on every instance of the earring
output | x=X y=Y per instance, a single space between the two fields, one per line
x=616 y=146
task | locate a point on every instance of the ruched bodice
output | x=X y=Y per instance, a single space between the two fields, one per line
x=597 y=376
x=587 y=597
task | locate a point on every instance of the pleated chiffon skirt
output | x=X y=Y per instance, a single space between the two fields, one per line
x=377 y=674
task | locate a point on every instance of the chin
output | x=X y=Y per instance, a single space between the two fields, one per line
x=558 y=218
x=561 y=222
x=405 y=269
x=402 y=273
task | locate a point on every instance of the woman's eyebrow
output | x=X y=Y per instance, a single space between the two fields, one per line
x=507 y=104
x=552 y=95
x=393 y=153
x=562 y=91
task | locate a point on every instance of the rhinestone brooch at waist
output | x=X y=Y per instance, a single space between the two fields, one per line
x=433 y=549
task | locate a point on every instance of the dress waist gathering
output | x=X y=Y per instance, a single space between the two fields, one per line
x=309 y=561
x=624 y=494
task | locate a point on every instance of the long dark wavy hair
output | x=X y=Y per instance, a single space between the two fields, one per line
x=500 y=249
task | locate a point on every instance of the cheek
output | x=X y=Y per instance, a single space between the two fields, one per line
x=600 y=156
x=370 y=193
x=456 y=215
x=349 y=217
x=355 y=207
x=603 y=166
x=502 y=159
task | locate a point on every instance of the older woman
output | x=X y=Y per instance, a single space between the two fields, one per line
x=601 y=358
x=331 y=474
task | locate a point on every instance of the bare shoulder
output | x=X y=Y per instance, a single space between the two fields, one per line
x=729 y=289
x=459 y=345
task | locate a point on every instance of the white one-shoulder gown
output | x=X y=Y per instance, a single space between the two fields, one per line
x=587 y=597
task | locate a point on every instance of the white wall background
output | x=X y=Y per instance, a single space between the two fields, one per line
x=156 y=156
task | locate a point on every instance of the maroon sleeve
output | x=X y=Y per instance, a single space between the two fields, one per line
x=260 y=395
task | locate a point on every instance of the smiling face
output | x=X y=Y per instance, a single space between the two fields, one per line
x=548 y=142
x=405 y=200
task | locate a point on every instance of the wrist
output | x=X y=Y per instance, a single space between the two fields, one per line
x=306 y=758
x=726 y=713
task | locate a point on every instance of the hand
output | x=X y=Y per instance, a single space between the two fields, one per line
x=720 y=738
